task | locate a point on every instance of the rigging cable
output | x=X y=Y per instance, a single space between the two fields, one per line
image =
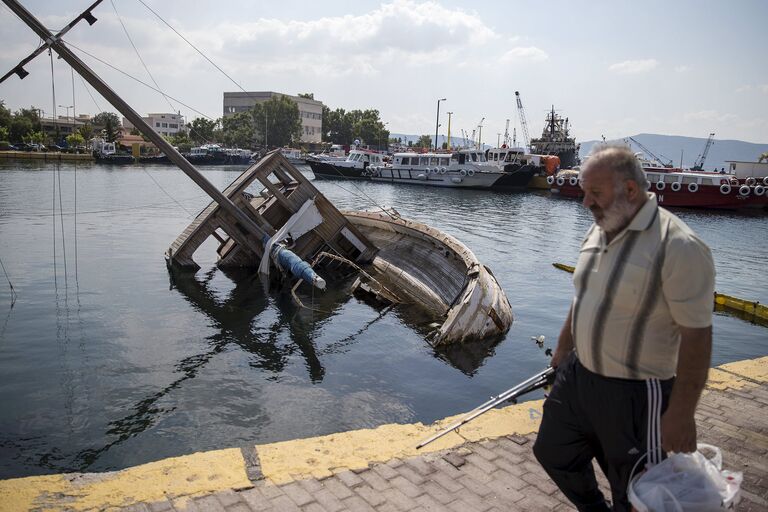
x=98 y=108
x=136 y=50
x=137 y=80
x=55 y=272
x=72 y=72
x=13 y=291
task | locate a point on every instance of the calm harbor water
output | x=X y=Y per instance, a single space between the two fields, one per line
x=107 y=360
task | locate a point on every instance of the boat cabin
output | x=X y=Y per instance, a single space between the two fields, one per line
x=366 y=158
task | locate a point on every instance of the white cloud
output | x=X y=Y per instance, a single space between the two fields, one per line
x=682 y=68
x=524 y=53
x=763 y=88
x=744 y=88
x=629 y=67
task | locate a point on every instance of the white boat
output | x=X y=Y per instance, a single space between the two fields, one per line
x=293 y=155
x=467 y=168
x=355 y=166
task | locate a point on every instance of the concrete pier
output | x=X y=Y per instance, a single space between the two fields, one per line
x=488 y=465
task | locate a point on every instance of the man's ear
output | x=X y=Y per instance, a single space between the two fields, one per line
x=632 y=189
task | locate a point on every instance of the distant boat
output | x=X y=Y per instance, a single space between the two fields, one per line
x=293 y=155
x=520 y=167
x=214 y=154
x=467 y=168
x=683 y=188
x=353 y=167
x=106 y=153
x=556 y=140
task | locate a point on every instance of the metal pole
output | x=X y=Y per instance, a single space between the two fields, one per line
x=73 y=60
x=449 y=129
x=437 y=121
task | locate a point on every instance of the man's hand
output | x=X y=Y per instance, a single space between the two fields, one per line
x=678 y=432
x=678 y=426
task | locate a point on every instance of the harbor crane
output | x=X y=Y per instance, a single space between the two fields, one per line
x=699 y=164
x=523 y=122
x=667 y=163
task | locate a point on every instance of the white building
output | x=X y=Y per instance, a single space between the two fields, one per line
x=747 y=169
x=310 y=111
x=163 y=123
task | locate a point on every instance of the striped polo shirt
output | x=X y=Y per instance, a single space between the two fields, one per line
x=633 y=294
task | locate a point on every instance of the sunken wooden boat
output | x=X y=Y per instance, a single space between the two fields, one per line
x=399 y=261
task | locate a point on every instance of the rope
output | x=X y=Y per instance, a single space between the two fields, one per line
x=136 y=51
x=61 y=217
x=190 y=214
x=13 y=291
x=194 y=47
x=137 y=80
x=85 y=85
x=72 y=73
x=53 y=173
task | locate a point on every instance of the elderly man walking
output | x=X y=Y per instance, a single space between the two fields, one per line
x=633 y=354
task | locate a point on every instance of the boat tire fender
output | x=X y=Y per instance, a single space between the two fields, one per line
x=550 y=180
x=751 y=181
x=735 y=182
x=471 y=172
x=765 y=181
x=442 y=170
x=560 y=181
x=725 y=189
x=759 y=190
x=693 y=187
x=675 y=186
x=660 y=185
x=463 y=172
x=573 y=181
x=744 y=190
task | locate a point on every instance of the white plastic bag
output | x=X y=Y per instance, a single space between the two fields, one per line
x=686 y=482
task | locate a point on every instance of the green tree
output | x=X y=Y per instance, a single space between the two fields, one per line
x=5 y=116
x=35 y=137
x=86 y=131
x=100 y=120
x=75 y=140
x=425 y=141
x=764 y=157
x=277 y=121
x=307 y=95
x=201 y=130
x=20 y=127
x=238 y=130
x=3 y=134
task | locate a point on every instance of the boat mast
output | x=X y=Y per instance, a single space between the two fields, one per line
x=55 y=43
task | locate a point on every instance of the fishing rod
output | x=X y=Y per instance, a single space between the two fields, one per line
x=541 y=379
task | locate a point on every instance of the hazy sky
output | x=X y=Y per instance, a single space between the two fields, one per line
x=614 y=68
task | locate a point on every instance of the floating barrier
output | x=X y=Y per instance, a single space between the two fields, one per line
x=751 y=311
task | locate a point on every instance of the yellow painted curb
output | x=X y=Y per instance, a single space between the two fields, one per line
x=739 y=374
x=320 y=457
x=181 y=478
x=190 y=475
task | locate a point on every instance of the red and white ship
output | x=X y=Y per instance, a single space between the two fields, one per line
x=683 y=188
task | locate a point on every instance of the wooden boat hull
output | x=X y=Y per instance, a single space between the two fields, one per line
x=439 y=273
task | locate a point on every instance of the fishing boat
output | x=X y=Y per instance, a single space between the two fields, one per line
x=214 y=154
x=400 y=261
x=106 y=153
x=556 y=140
x=293 y=155
x=520 y=167
x=353 y=167
x=273 y=218
x=683 y=188
x=467 y=168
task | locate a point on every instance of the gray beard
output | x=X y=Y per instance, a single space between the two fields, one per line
x=617 y=216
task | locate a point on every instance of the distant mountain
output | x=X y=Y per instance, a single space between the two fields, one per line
x=669 y=147
x=455 y=141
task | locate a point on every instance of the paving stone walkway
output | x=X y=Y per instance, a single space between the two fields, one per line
x=493 y=475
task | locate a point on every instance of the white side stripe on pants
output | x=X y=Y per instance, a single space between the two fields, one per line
x=654 y=421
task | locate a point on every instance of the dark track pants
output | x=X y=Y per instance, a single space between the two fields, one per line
x=615 y=421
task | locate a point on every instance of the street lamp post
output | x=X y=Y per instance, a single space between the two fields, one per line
x=480 y=134
x=449 y=129
x=73 y=121
x=437 y=121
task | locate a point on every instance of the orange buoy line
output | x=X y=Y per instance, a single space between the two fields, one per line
x=752 y=311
